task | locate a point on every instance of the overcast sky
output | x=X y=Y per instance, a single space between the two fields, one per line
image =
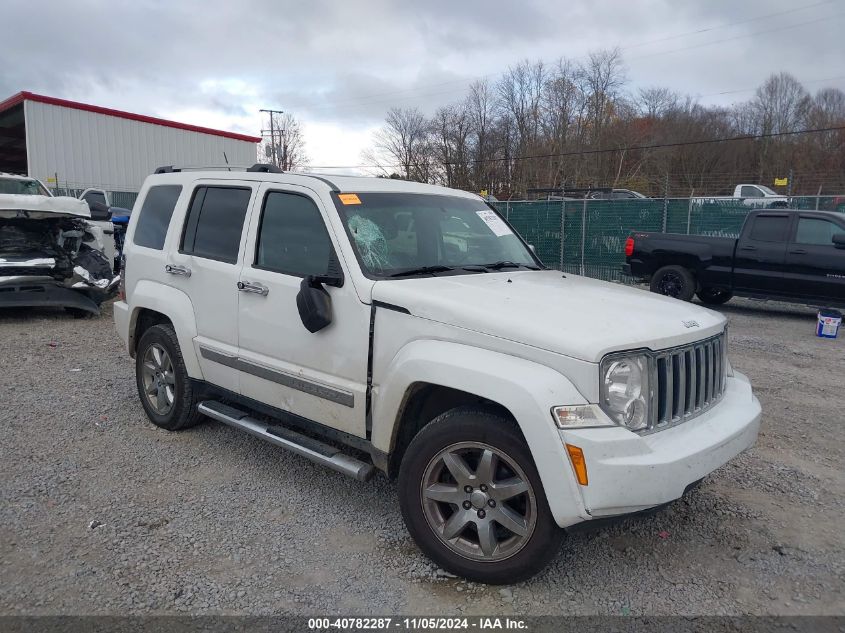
x=338 y=66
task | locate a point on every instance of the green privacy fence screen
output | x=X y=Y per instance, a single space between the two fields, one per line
x=591 y=238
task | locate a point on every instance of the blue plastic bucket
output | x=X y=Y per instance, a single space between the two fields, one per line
x=829 y=323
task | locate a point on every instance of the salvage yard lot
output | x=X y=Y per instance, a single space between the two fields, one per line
x=101 y=512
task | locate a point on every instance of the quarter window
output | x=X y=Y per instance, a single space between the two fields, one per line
x=770 y=228
x=155 y=216
x=816 y=231
x=292 y=238
x=215 y=223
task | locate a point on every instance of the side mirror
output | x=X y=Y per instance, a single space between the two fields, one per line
x=839 y=240
x=314 y=304
x=99 y=212
x=533 y=250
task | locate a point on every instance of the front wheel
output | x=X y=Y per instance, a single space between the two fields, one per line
x=712 y=296
x=674 y=281
x=472 y=499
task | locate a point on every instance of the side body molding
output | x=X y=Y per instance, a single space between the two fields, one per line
x=174 y=304
x=528 y=390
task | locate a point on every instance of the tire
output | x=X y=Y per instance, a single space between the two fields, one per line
x=166 y=391
x=712 y=296
x=673 y=281
x=462 y=436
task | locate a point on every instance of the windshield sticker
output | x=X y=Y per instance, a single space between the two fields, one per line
x=349 y=198
x=370 y=241
x=495 y=223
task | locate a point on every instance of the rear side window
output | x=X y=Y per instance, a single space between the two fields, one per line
x=770 y=228
x=292 y=238
x=95 y=196
x=215 y=222
x=155 y=215
x=817 y=231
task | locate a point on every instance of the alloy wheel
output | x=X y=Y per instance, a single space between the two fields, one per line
x=478 y=501
x=670 y=285
x=159 y=379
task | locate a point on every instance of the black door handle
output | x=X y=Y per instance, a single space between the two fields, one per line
x=798 y=251
x=748 y=248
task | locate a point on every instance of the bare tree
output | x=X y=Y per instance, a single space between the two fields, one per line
x=288 y=141
x=655 y=102
x=575 y=124
x=403 y=139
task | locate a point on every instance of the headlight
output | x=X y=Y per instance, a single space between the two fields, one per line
x=625 y=391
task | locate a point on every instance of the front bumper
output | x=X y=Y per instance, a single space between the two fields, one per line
x=120 y=309
x=43 y=292
x=628 y=472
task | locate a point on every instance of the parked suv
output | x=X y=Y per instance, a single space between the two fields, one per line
x=374 y=324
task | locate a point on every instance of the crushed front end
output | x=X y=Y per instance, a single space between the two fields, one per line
x=53 y=259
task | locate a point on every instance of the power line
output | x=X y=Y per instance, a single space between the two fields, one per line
x=367 y=99
x=728 y=139
x=739 y=37
x=746 y=137
x=810 y=81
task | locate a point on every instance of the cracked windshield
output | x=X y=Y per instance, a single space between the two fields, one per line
x=398 y=235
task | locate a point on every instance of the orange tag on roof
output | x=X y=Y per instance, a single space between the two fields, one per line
x=349 y=198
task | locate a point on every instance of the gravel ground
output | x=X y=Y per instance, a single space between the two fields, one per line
x=101 y=512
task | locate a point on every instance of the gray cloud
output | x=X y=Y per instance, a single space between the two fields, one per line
x=348 y=62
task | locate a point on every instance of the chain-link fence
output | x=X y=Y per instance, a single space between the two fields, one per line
x=587 y=237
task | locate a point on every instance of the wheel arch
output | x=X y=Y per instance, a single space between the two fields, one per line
x=422 y=403
x=429 y=377
x=154 y=304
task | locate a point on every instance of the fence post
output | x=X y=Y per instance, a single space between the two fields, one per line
x=665 y=202
x=507 y=209
x=583 y=234
x=562 y=229
x=689 y=211
x=818 y=195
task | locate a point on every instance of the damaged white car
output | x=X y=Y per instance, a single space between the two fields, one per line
x=51 y=252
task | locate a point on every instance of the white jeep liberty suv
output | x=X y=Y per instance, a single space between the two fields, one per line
x=374 y=324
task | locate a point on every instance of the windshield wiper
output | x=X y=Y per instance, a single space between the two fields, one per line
x=423 y=270
x=507 y=264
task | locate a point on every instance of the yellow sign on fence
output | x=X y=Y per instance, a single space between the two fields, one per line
x=781 y=182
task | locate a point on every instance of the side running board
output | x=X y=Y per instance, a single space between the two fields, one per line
x=295 y=442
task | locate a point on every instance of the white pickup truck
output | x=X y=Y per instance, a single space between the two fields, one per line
x=52 y=251
x=373 y=324
x=757 y=196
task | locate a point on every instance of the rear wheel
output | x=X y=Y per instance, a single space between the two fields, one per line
x=674 y=281
x=164 y=387
x=473 y=501
x=713 y=296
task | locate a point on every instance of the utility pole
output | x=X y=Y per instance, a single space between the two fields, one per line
x=273 y=134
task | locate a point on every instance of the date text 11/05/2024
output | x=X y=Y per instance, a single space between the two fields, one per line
x=422 y=623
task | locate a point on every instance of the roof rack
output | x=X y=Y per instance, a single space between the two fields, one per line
x=261 y=168
x=264 y=168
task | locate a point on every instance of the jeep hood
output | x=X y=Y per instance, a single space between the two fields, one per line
x=567 y=314
x=42 y=207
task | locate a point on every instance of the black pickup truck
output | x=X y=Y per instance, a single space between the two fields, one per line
x=781 y=254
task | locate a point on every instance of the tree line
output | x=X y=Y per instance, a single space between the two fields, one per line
x=576 y=125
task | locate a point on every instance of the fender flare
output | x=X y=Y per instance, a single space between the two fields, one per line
x=175 y=305
x=526 y=389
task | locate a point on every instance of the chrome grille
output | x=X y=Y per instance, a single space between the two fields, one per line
x=687 y=381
